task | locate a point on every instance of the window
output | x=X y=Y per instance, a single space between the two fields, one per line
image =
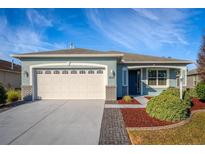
x=162 y=77
x=157 y=77
x=91 y=72
x=39 y=72
x=152 y=77
x=124 y=77
x=99 y=71
x=56 y=72
x=64 y=72
x=73 y=72
x=194 y=81
x=82 y=72
x=47 y=72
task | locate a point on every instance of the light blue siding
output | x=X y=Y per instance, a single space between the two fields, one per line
x=110 y=62
x=119 y=80
x=172 y=78
x=147 y=90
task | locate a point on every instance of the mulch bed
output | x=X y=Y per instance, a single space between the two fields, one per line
x=139 y=118
x=134 y=101
x=197 y=104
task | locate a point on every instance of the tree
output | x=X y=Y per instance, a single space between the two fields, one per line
x=201 y=61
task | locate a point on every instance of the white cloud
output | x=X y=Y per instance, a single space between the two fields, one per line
x=151 y=28
x=24 y=39
x=36 y=18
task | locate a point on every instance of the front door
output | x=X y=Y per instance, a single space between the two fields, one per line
x=134 y=82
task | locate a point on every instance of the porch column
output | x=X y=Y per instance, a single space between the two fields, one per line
x=181 y=83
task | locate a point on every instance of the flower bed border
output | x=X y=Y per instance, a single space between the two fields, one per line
x=181 y=123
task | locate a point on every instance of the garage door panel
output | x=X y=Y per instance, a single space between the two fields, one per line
x=70 y=86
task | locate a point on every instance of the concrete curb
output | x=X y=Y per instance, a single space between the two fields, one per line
x=167 y=126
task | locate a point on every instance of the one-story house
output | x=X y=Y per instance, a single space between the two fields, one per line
x=89 y=74
x=10 y=74
x=193 y=78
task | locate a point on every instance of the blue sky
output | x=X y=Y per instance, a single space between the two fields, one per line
x=161 y=32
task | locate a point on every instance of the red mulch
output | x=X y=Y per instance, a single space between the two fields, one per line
x=148 y=97
x=197 y=104
x=134 y=101
x=139 y=118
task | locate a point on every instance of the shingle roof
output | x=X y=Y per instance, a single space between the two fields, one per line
x=5 y=65
x=140 y=57
x=67 y=51
x=131 y=57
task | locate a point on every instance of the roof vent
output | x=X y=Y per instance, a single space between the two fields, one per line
x=72 y=46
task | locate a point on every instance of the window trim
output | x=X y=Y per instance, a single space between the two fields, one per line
x=194 y=80
x=157 y=85
x=124 y=69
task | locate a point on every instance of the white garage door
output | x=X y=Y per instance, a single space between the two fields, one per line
x=70 y=84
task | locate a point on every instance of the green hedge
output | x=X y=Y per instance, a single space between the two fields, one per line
x=13 y=95
x=200 y=90
x=187 y=99
x=171 y=91
x=167 y=107
x=2 y=94
x=192 y=92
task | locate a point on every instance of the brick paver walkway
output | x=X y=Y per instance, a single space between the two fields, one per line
x=112 y=128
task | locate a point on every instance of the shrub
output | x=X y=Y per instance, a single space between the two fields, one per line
x=192 y=92
x=2 y=94
x=167 y=107
x=187 y=99
x=171 y=91
x=200 y=89
x=13 y=95
x=127 y=99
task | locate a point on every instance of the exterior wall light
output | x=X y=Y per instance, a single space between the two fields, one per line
x=26 y=73
x=112 y=73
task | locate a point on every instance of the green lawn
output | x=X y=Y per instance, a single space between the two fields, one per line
x=190 y=133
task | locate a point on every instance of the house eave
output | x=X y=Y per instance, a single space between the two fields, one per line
x=64 y=55
x=158 y=62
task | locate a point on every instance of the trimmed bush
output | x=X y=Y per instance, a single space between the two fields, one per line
x=200 y=90
x=127 y=99
x=187 y=99
x=13 y=95
x=171 y=91
x=2 y=94
x=167 y=107
x=192 y=92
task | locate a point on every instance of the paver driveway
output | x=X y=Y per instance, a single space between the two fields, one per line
x=52 y=122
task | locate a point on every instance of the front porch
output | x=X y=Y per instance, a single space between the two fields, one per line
x=152 y=80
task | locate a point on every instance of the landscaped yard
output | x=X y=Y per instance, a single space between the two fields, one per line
x=190 y=133
x=164 y=120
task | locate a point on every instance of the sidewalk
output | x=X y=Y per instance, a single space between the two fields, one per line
x=143 y=103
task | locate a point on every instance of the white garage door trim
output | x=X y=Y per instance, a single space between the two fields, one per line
x=69 y=65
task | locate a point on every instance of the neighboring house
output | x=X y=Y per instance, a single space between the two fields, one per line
x=193 y=78
x=89 y=74
x=10 y=74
